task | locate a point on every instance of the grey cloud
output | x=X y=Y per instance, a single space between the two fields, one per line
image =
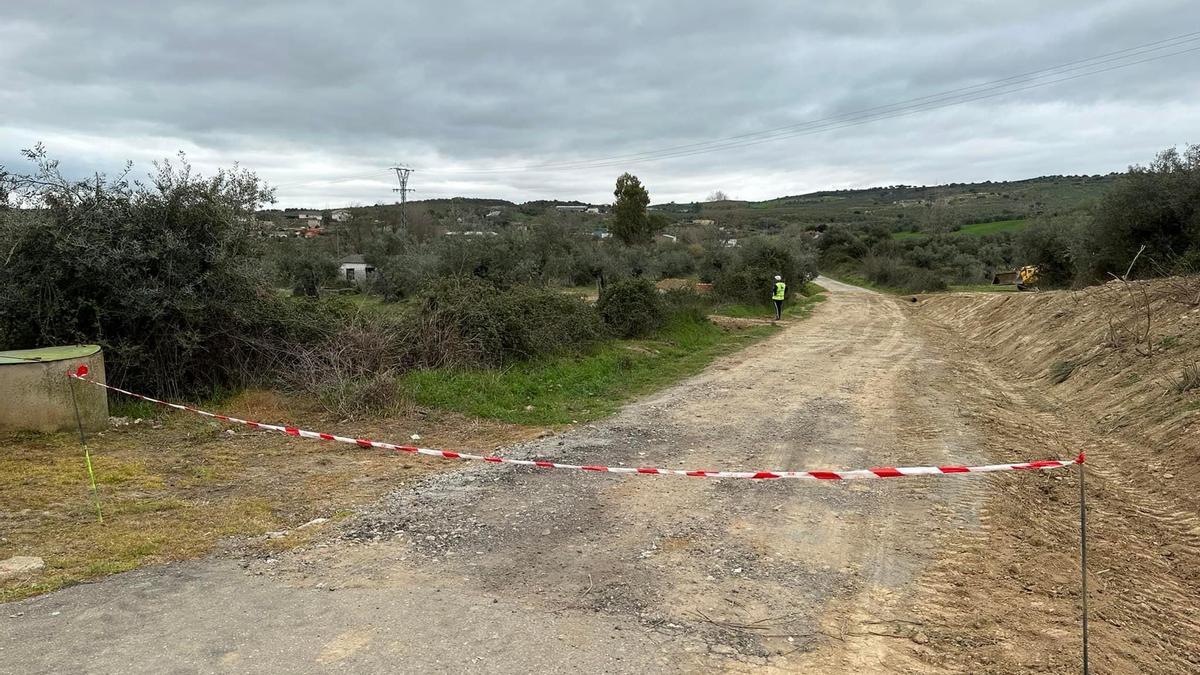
x=306 y=91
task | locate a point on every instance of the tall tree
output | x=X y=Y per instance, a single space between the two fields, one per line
x=630 y=222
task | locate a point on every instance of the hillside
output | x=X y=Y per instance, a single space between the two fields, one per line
x=906 y=207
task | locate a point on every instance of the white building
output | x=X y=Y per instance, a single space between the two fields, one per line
x=354 y=268
x=340 y=216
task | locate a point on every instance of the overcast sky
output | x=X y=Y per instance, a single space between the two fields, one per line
x=476 y=95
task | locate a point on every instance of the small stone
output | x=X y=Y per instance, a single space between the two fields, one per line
x=1168 y=476
x=314 y=521
x=920 y=638
x=21 y=564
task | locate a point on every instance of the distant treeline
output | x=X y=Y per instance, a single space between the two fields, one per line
x=1156 y=207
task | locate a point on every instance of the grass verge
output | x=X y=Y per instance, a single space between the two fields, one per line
x=798 y=306
x=562 y=390
x=176 y=487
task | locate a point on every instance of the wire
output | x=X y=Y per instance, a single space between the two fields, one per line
x=944 y=99
x=836 y=123
x=928 y=102
x=343 y=179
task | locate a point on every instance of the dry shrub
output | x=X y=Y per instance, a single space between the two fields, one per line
x=1129 y=325
x=353 y=371
x=1187 y=380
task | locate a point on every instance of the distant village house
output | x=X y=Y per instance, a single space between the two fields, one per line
x=354 y=269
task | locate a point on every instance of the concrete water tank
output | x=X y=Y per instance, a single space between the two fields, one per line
x=35 y=392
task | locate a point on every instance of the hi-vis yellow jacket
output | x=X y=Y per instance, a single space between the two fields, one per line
x=780 y=291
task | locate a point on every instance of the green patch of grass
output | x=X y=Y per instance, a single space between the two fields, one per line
x=795 y=307
x=1061 y=370
x=972 y=230
x=566 y=389
x=1168 y=342
x=983 y=229
x=123 y=406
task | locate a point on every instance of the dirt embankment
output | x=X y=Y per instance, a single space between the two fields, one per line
x=1093 y=371
x=1114 y=353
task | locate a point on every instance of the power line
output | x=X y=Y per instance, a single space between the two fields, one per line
x=1026 y=81
x=327 y=181
x=843 y=122
x=929 y=102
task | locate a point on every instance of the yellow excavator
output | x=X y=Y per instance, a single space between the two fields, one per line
x=1024 y=278
x=1027 y=276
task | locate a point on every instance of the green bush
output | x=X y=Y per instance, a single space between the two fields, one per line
x=631 y=308
x=1157 y=206
x=491 y=326
x=686 y=303
x=163 y=274
x=1047 y=243
x=894 y=273
x=750 y=275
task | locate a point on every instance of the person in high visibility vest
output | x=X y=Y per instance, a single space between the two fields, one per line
x=778 y=296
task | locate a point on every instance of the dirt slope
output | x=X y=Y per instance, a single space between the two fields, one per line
x=1144 y=559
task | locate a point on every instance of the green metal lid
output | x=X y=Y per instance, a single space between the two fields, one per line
x=47 y=354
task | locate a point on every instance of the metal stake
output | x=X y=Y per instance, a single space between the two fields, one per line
x=87 y=455
x=1083 y=562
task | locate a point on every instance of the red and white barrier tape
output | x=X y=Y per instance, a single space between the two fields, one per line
x=877 y=472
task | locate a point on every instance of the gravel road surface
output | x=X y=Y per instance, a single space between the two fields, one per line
x=489 y=569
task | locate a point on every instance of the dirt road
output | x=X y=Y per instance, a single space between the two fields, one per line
x=491 y=569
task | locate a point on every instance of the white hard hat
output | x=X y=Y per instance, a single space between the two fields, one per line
x=778 y=278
